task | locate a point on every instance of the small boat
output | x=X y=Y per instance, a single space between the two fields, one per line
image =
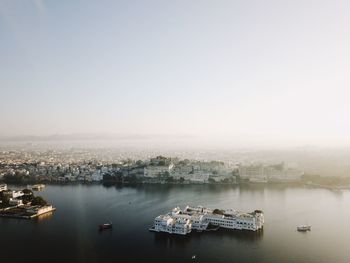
x=194 y=257
x=304 y=228
x=105 y=226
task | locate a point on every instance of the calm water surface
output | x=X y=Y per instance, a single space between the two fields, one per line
x=71 y=235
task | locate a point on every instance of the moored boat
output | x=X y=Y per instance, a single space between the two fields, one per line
x=304 y=228
x=105 y=226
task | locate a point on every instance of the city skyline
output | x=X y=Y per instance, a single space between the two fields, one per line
x=248 y=72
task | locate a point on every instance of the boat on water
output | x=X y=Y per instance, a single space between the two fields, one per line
x=105 y=226
x=304 y=228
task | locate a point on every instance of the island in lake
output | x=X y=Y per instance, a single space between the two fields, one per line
x=22 y=204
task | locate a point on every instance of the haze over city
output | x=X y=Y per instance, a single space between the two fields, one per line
x=174 y=131
x=245 y=72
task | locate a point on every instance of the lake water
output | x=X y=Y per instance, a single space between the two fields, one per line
x=71 y=233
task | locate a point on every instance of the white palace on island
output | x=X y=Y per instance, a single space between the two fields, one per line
x=199 y=218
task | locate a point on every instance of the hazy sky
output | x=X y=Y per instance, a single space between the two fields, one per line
x=251 y=70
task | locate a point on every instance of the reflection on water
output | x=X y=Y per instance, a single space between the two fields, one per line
x=45 y=216
x=221 y=234
x=73 y=227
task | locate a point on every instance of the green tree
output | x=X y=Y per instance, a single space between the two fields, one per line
x=131 y=179
x=218 y=212
x=170 y=179
x=211 y=180
x=38 y=200
x=139 y=162
x=5 y=200
x=161 y=163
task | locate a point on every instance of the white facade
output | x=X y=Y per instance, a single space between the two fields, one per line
x=15 y=201
x=38 y=210
x=37 y=187
x=166 y=223
x=229 y=218
x=252 y=171
x=183 y=171
x=262 y=173
x=97 y=176
x=199 y=218
x=241 y=221
x=199 y=177
x=198 y=221
x=3 y=187
x=13 y=194
x=155 y=171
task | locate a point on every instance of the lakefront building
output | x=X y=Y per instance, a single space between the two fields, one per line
x=12 y=194
x=200 y=218
x=3 y=187
x=263 y=173
x=172 y=225
x=158 y=170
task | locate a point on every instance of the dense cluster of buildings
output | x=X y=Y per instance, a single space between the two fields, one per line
x=20 y=204
x=13 y=197
x=79 y=166
x=264 y=173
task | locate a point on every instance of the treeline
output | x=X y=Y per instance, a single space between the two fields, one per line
x=119 y=178
x=22 y=179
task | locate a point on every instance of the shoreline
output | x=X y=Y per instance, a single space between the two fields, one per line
x=241 y=184
x=49 y=209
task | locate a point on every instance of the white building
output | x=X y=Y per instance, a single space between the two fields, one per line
x=169 y=224
x=199 y=177
x=3 y=187
x=97 y=176
x=157 y=170
x=252 y=171
x=39 y=210
x=15 y=202
x=183 y=171
x=263 y=173
x=17 y=194
x=13 y=194
x=199 y=218
x=231 y=219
